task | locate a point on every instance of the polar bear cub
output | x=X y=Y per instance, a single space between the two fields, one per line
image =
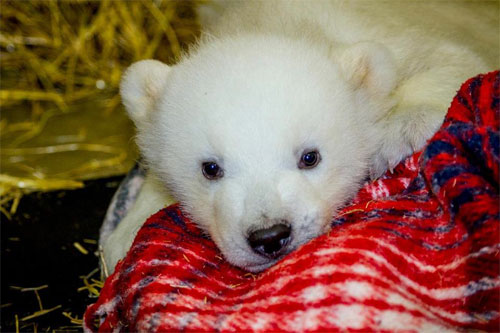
x=282 y=110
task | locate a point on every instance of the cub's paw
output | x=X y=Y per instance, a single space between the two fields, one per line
x=402 y=134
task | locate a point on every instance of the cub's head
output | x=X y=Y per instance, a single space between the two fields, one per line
x=260 y=140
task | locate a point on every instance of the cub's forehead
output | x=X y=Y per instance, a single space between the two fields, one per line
x=251 y=97
x=256 y=74
x=247 y=117
x=271 y=88
x=233 y=130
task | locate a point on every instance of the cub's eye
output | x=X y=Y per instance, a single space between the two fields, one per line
x=309 y=159
x=211 y=170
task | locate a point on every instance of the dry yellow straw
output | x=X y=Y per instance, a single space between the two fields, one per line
x=73 y=320
x=80 y=248
x=40 y=313
x=94 y=286
x=70 y=56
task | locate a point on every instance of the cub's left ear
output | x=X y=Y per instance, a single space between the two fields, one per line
x=141 y=86
x=369 y=66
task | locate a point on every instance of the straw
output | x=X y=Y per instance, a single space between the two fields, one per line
x=61 y=61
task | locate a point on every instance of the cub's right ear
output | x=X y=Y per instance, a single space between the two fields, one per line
x=141 y=86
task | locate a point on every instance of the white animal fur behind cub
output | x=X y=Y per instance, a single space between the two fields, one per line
x=364 y=83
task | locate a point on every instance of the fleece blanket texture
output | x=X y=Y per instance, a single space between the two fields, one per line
x=417 y=250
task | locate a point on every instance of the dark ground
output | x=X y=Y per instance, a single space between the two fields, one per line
x=37 y=249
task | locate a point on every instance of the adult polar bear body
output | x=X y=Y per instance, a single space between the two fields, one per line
x=358 y=84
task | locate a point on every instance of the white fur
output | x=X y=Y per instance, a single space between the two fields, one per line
x=363 y=82
x=151 y=198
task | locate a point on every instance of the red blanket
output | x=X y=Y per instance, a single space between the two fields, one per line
x=417 y=250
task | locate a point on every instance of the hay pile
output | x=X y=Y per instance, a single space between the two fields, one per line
x=61 y=120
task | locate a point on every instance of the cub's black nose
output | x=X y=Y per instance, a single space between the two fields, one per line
x=269 y=242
